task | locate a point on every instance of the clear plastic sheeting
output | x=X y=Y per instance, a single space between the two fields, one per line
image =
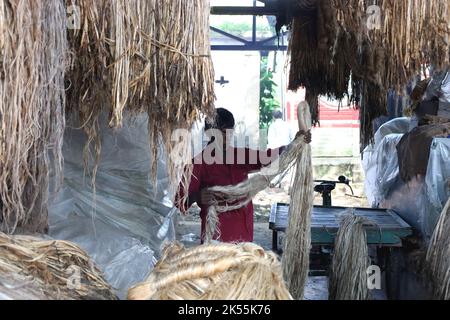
x=124 y=260
x=369 y=165
x=117 y=224
x=420 y=201
x=380 y=160
x=439 y=87
x=444 y=99
x=434 y=87
x=381 y=168
x=387 y=168
x=437 y=180
x=397 y=125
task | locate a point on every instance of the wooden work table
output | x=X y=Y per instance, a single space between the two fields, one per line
x=389 y=228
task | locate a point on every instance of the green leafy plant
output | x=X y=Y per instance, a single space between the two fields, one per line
x=241 y=29
x=267 y=101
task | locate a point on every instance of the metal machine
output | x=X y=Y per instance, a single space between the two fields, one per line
x=325 y=187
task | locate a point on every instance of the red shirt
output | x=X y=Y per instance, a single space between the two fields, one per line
x=235 y=225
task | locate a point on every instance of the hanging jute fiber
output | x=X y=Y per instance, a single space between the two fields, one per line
x=142 y=56
x=295 y=259
x=348 y=274
x=33 y=47
x=36 y=269
x=438 y=255
x=314 y=63
x=228 y=198
x=404 y=37
x=214 y=272
x=375 y=45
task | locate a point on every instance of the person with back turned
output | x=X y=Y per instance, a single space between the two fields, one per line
x=280 y=133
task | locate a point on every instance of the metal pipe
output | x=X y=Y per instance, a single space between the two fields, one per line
x=250 y=47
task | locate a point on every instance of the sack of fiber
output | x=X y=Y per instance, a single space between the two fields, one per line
x=214 y=272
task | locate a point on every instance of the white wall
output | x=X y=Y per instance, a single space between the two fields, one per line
x=241 y=94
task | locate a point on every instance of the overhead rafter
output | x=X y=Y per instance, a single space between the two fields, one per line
x=271 y=8
x=244 y=11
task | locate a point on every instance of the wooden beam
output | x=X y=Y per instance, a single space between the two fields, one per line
x=244 y=11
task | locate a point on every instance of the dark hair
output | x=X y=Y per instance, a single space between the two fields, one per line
x=223 y=120
x=277 y=114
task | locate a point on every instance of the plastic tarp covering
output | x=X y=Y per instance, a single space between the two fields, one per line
x=420 y=201
x=380 y=160
x=397 y=125
x=434 y=87
x=380 y=165
x=439 y=87
x=117 y=224
x=437 y=180
x=444 y=99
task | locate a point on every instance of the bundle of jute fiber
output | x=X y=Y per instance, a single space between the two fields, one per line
x=348 y=274
x=377 y=45
x=89 y=83
x=411 y=34
x=314 y=54
x=295 y=259
x=227 y=198
x=34 y=268
x=153 y=57
x=214 y=272
x=438 y=255
x=33 y=58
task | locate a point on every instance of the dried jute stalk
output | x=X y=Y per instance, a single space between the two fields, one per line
x=214 y=272
x=348 y=275
x=438 y=255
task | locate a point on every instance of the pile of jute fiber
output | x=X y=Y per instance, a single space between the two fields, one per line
x=33 y=48
x=214 y=272
x=438 y=255
x=38 y=269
